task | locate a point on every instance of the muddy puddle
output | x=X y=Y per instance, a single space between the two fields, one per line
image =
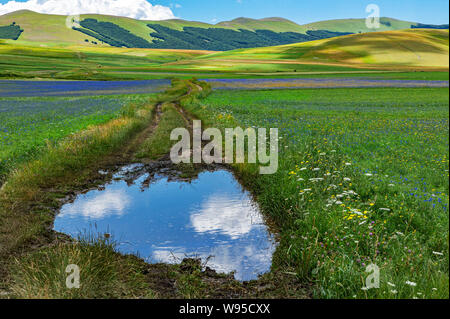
x=164 y=218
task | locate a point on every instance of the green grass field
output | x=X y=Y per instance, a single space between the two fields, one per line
x=29 y=125
x=363 y=176
x=361 y=54
x=363 y=179
x=84 y=63
x=395 y=50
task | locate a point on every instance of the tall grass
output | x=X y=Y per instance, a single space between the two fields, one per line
x=103 y=273
x=28 y=202
x=26 y=205
x=159 y=143
x=363 y=179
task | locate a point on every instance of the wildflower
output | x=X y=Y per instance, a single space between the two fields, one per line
x=437 y=253
x=348 y=164
x=410 y=283
x=394 y=291
x=391 y=284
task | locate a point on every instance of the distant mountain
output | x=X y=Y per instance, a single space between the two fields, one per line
x=28 y=27
x=273 y=24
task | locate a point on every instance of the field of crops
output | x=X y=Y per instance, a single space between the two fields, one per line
x=363 y=179
x=27 y=125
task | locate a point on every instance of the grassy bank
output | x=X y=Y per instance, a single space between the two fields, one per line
x=104 y=273
x=31 y=191
x=363 y=179
x=29 y=125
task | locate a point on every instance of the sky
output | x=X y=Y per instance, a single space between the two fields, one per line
x=212 y=11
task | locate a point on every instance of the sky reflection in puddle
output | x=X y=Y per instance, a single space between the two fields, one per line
x=172 y=220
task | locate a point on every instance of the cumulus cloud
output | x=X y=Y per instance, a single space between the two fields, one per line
x=137 y=9
x=104 y=204
x=247 y=258
x=226 y=215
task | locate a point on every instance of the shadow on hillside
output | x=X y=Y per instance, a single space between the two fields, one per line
x=366 y=45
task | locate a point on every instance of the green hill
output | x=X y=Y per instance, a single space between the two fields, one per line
x=273 y=24
x=416 y=49
x=359 y=25
x=28 y=28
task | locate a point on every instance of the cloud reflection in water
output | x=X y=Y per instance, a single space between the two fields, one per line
x=210 y=216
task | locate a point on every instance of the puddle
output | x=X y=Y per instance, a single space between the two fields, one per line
x=165 y=219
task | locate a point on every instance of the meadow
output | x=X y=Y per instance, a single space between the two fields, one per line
x=376 y=54
x=29 y=125
x=406 y=50
x=364 y=158
x=363 y=179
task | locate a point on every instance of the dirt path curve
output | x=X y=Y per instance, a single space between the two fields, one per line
x=133 y=146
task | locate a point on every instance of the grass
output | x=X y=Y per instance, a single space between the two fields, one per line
x=29 y=125
x=24 y=222
x=394 y=50
x=57 y=34
x=359 y=25
x=159 y=144
x=361 y=54
x=41 y=275
x=363 y=179
x=33 y=259
x=82 y=63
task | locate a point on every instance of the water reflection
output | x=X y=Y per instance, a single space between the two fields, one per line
x=227 y=215
x=98 y=205
x=167 y=221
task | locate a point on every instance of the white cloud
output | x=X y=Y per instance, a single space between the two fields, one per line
x=247 y=259
x=102 y=205
x=137 y=9
x=226 y=215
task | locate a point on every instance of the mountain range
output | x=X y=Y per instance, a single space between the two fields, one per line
x=31 y=28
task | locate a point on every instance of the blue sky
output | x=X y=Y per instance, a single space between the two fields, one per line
x=303 y=11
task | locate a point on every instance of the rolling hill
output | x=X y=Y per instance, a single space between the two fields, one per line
x=28 y=28
x=415 y=49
